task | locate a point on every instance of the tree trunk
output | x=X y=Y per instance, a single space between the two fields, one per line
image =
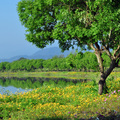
x=104 y=75
x=102 y=82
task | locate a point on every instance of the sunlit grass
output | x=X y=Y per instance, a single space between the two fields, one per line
x=63 y=101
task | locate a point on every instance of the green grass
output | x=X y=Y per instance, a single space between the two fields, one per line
x=63 y=101
x=69 y=75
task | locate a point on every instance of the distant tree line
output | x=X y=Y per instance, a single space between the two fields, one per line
x=73 y=62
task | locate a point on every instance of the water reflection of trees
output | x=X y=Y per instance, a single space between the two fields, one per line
x=32 y=82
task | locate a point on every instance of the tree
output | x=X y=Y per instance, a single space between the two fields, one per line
x=89 y=24
x=38 y=64
x=3 y=65
x=89 y=61
x=62 y=64
x=22 y=58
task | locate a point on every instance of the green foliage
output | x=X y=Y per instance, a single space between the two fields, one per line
x=4 y=65
x=21 y=65
x=75 y=22
x=78 y=62
x=70 y=61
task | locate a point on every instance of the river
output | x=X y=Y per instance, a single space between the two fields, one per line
x=15 y=85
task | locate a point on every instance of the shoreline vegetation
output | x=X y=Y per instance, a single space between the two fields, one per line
x=57 y=74
x=63 y=101
x=51 y=74
x=73 y=62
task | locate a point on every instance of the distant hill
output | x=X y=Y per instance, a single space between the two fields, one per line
x=46 y=53
x=13 y=58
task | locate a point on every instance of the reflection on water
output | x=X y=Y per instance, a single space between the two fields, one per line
x=12 y=90
x=13 y=85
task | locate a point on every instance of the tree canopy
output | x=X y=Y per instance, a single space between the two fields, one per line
x=72 y=22
x=89 y=24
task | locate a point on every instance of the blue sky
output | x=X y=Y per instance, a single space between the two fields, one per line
x=12 y=33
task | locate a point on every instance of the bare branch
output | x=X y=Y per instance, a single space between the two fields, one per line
x=91 y=45
x=100 y=60
x=97 y=46
x=108 y=52
x=118 y=55
x=77 y=38
x=118 y=66
x=98 y=55
x=110 y=33
x=118 y=48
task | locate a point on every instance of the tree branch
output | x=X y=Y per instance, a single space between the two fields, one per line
x=77 y=38
x=112 y=66
x=110 y=33
x=108 y=52
x=117 y=62
x=97 y=46
x=91 y=45
x=118 y=66
x=117 y=55
x=118 y=48
x=98 y=55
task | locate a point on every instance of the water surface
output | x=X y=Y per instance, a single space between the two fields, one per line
x=14 y=85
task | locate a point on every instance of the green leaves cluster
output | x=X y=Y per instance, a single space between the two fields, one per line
x=20 y=65
x=76 y=22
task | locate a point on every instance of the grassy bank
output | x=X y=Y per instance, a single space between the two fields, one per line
x=63 y=101
x=68 y=75
x=65 y=74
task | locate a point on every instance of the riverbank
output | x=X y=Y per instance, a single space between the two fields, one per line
x=54 y=74
x=65 y=74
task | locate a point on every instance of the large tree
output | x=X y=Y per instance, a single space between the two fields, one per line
x=88 y=24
